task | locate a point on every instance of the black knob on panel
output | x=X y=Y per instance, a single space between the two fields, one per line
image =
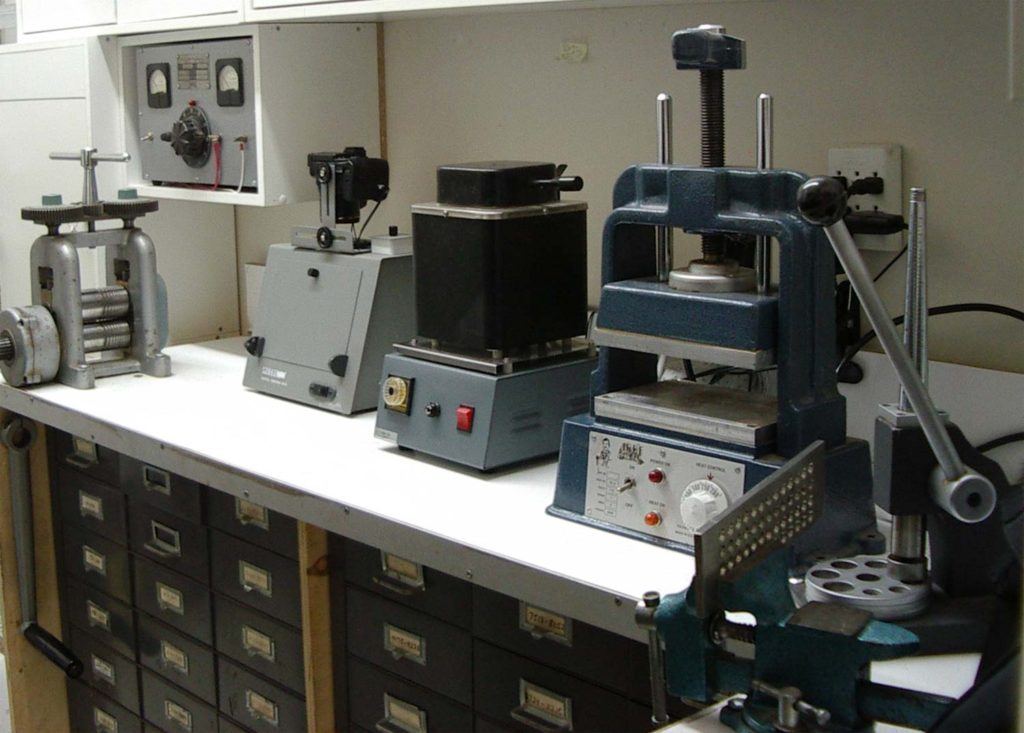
x=254 y=345
x=338 y=365
x=432 y=409
x=324 y=237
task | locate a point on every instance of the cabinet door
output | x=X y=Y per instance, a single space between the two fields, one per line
x=138 y=11
x=265 y=4
x=55 y=15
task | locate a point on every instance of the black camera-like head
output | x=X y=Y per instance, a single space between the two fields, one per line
x=356 y=180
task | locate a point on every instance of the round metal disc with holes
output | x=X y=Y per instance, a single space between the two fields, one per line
x=53 y=215
x=34 y=350
x=866 y=582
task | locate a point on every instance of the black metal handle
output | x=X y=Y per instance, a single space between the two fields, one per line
x=53 y=649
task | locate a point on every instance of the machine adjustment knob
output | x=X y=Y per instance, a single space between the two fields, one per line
x=700 y=502
x=432 y=409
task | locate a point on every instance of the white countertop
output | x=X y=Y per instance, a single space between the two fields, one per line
x=330 y=471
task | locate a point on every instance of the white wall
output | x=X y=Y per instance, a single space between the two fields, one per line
x=932 y=76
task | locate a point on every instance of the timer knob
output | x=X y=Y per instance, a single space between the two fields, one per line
x=700 y=502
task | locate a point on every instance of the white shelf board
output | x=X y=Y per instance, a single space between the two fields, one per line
x=330 y=471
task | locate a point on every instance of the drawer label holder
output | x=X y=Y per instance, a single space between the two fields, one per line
x=83 y=453
x=90 y=506
x=258 y=644
x=403 y=644
x=254 y=578
x=103 y=721
x=105 y=670
x=97 y=615
x=178 y=715
x=401 y=717
x=170 y=599
x=261 y=707
x=252 y=515
x=543 y=624
x=173 y=657
x=542 y=709
x=94 y=562
x=156 y=479
x=400 y=576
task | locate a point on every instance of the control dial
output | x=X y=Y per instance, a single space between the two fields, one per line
x=700 y=502
x=190 y=137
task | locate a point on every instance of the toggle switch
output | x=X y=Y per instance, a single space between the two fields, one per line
x=464 y=418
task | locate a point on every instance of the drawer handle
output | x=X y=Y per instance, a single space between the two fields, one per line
x=164 y=541
x=153 y=479
x=396 y=587
x=401 y=717
x=386 y=726
x=523 y=715
x=249 y=514
x=83 y=453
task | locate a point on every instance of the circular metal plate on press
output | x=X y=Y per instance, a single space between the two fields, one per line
x=867 y=582
x=36 y=345
x=53 y=215
x=701 y=276
x=129 y=208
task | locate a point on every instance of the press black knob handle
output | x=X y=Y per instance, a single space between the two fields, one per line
x=165 y=136
x=821 y=201
x=53 y=649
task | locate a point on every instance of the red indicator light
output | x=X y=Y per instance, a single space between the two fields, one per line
x=656 y=476
x=652 y=519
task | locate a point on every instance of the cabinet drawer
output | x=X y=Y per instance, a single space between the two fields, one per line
x=225 y=725
x=553 y=639
x=257 y=704
x=115 y=676
x=162 y=489
x=98 y=561
x=174 y=599
x=174 y=710
x=257 y=577
x=109 y=620
x=177 y=658
x=522 y=695
x=84 y=456
x=253 y=523
x=409 y=583
x=170 y=540
x=410 y=644
x=92 y=505
x=382 y=702
x=259 y=643
x=91 y=712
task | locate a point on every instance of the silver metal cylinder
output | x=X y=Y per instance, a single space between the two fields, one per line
x=915 y=310
x=105 y=304
x=107 y=335
x=663 y=235
x=907 y=548
x=765 y=135
x=6 y=346
x=955 y=488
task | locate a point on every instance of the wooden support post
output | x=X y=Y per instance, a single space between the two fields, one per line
x=36 y=688
x=316 y=628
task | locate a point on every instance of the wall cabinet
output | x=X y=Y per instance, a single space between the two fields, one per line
x=141 y=11
x=53 y=15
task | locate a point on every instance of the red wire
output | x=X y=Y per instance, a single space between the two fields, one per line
x=216 y=165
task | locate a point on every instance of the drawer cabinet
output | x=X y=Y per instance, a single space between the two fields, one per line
x=382 y=702
x=91 y=712
x=254 y=523
x=92 y=505
x=258 y=704
x=174 y=599
x=409 y=583
x=98 y=562
x=165 y=490
x=177 y=658
x=173 y=710
x=260 y=643
x=170 y=540
x=108 y=620
x=84 y=456
x=256 y=577
x=107 y=671
x=410 y=644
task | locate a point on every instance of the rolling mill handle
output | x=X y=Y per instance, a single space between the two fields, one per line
x=18 y=435
x=964 y=494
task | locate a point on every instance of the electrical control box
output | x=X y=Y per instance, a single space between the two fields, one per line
x=227 y=115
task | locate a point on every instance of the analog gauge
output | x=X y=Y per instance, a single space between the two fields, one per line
x=230 y=84
x=158 y=94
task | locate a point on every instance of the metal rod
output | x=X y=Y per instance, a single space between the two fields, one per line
x=846 y=251
x=645 y=616
x=18 y=437
x=765 y=135
x=663 y=235
x=907 y=547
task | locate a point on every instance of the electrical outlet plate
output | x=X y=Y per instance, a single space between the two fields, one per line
x=884 y=161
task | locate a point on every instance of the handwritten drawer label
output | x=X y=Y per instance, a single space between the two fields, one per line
x=104 y=669
x=258 y=644
x=252 y=515
x=173 y=657
x=104 y=721
x=260 y=707
x=404 y=715
x=97 y=615
x=545 y=704
x=90 y=506
x=402 y=570
x=541 y=623
x=401 y=643
x=170 y=599
x=254 y=578
x=94 y=562
x=178 y=714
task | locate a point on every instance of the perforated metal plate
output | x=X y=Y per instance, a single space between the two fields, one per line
x=764 y=520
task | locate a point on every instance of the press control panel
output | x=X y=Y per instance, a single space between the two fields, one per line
x=659 y=491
